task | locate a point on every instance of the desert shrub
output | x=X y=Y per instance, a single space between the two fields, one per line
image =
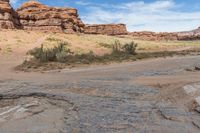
x=57 y=53
x=127 y=48
x=116 y=47
x=36 y=52
x=130 y=48
x=62 y=54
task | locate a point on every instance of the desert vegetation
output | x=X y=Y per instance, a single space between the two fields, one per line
x=82 y=49
x=56 y=54
x=62 y=54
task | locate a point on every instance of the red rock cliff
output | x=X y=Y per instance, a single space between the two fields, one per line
x=189 y=35
x=8 y=17
x=152 y=36
x=108 y=29
x=36 y=16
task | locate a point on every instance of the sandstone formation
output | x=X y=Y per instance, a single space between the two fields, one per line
x=33 y=15
x=8 y=17
x=108 y=29
x=36 y=16
x=152 y=36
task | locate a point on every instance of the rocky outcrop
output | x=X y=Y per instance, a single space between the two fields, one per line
x=152 y=36
x=107 y=29
x=36 y=16
x=189 y=35
x=33 y=15
x=8 y=17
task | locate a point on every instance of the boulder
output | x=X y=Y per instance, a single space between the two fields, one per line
x=8 y=17
x=36 y=16
x=107 y=29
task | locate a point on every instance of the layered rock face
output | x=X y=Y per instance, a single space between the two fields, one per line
x=152 y=36
x=33 y=15
x=8 y=17
x=36 y=16
x=107 y=29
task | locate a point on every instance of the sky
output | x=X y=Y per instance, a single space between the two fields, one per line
x=138 y=15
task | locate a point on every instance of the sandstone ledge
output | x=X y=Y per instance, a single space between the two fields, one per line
x=108 y=29
x=34 y=15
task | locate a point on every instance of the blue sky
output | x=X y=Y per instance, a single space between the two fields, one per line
x=139 y=15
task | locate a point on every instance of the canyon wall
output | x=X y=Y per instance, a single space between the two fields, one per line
x=33 y=15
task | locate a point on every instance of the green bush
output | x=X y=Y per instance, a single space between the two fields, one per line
x=130 y=48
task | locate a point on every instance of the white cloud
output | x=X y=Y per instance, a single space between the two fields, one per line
x=82 y=3
x=155 y=16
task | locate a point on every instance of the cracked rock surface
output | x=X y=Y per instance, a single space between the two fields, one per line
x=141 y=97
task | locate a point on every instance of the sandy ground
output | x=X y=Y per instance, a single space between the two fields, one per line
x=143 y=96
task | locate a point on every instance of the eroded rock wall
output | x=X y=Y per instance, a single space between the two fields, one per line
x=152 y=36
x=36 y=16
x=107 y=29
x=8 y=17
x=33 y=15
x=189 y=35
